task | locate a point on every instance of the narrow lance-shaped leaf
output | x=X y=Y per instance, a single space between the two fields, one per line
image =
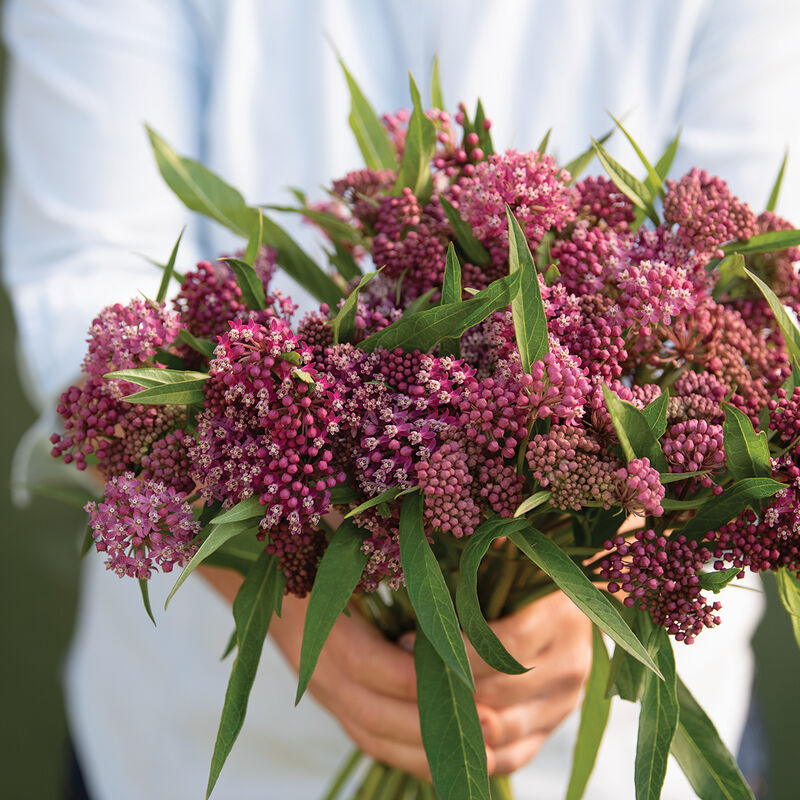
x=342 y=259
x=653 y=181
x=245 y=509
x=145 y=589
x=480 y=127
x=664 y=164
x=384 y=497
x=658 y=719
x=169 y=270
x=249 y=282
x=483 y=638
x=534 y=501
x=635 y=435
x=252 y=611
x=630 y=186
x=152 y=376
x=424 y=329
x=580 y=162
x=790 y=331
x=428 y=591
x=420 y=145
x=437 y=96
x=216 y=537
x=720 y=509
x=569 y=577
x=594 y=716
x=338 y=229
x=202 y=346
x=765 y=242
x=344 y=323
x=372 y=138
x=474 y=251
x=701 y=754
x=527 y=308
x=655 y=413
x=626 y=674
x=170 y=394
x=451 y=730
x=338 y=575
x=772 y=203
x=716 y=581
x=451 y=293
x=542 y=148
x=746 y=452
x=254 y=242
x=789 y=592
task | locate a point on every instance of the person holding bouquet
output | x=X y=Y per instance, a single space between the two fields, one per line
x=253 y=91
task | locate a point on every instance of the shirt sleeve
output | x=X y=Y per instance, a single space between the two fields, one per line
x=83 y=197
x=738 y=106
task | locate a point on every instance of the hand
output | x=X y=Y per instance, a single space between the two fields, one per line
x=519 y=712
x=366 y=682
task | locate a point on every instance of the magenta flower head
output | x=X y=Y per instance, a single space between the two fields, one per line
x=142 y=526
x=124 y=337
x=532 y=184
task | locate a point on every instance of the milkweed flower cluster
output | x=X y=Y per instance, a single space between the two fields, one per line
x=653 y=364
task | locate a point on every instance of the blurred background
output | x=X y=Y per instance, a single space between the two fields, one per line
x=38 y=594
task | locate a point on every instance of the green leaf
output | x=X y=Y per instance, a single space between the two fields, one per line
x=655 y=413
x=484 y=137
x=151 y=376
x=342 y=494
x=789 y=592
x=415 y=168
x=344 y=323
x=451 y=293
x=473 y=250
x=765 y=243
x=653 y=183
x=534 y=501
x=249 y=282
x=170 y=394
x=703 y=757
x=437 y=97
x=580 y=162
x=674 y=477
x=720 y=509
x=338 y=229
x=542 y=148
x=230 y=646
x=344 y=262
x=372 y=138
x=244 y=509
x=716 y=581
x=238 y=554
x=200 y=189
x=626 y=675
x=664 y=164
x=420 y=303
x=790 y=331
x=569 y=577
x=630 y=186
x=169 y=269
x=746 y=452
x=594 y=716
x=428 y=592
x=254 y=242
x=338 y=575
x=658 y=719
x=202 y=346
x=88 y=541
x=483 y=638
x=384 y=497
x=145 y=589
x=776 y=189
x=451 y=730
x=424 y=329
x=252 y=610
x=530 y=323
x=635 y=435
x=217 y=536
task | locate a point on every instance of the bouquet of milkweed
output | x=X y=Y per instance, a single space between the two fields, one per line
x=516 y=381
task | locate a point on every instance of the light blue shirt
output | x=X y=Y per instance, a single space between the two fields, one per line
x=253 y=90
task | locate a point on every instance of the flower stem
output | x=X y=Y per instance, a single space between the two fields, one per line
x=343 y=774
x=500 y=787
x=371 y=782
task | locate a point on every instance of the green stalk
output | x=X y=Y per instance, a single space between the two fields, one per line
x=371 y=782
x=343 y=774
x=500 y=787
x=391 y=788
